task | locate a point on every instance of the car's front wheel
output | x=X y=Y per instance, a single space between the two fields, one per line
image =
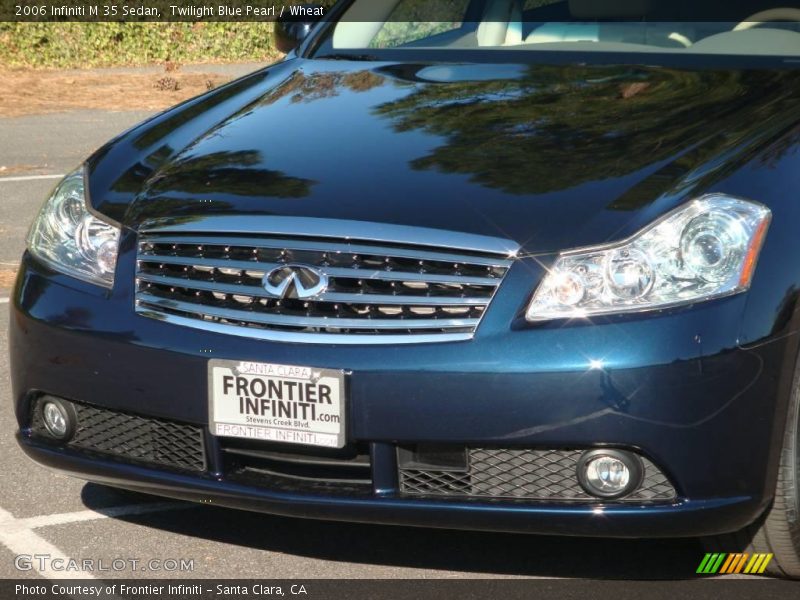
x=777 y=532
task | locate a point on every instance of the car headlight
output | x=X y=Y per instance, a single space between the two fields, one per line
x=705 y=249
x=70 y=239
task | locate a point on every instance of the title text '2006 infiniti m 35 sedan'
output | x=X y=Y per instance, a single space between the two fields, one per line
x=511 y=265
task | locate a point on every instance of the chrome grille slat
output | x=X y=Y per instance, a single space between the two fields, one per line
x=307 y=338
x=293 y=321
x=377 y=292
x=373 y=274
x=335 y=297
x=336 y=247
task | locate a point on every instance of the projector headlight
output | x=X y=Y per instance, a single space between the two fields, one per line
x=70 y=239
x=705 y=249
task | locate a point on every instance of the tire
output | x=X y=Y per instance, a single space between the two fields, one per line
x=778 y=531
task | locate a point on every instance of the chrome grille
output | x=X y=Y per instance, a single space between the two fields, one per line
x=378 y=292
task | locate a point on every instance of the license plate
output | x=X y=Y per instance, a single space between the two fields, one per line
x=277 y=403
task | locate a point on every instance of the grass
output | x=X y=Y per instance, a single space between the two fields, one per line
x=79 y=45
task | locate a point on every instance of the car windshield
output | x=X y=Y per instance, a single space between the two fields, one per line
x=710 y=27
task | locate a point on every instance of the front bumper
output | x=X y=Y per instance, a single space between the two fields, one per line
x=674 y=388
x=685 y=518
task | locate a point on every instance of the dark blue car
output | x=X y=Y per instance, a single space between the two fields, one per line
x=507 y=265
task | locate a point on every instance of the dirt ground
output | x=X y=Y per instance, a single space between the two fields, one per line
x=7 y=277
x=28 y=92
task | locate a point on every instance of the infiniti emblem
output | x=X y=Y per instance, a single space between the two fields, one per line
x=295 y=281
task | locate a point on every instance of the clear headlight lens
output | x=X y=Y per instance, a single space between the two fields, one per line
x=705 y=249
x=70 y=239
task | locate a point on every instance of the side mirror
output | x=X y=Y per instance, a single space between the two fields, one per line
x=291 y=29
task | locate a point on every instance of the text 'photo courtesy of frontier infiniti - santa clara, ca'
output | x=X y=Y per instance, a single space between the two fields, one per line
x=516 y=266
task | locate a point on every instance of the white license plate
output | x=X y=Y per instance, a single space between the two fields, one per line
x=277 y=403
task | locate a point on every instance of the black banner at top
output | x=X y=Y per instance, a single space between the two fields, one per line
x=594 y=11
x=159 y=10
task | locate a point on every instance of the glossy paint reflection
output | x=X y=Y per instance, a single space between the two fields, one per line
x=551 y=156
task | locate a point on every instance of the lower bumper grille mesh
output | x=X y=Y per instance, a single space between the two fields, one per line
x=513 y=474
x=524 y=474
x=339 y=472
x=134 y=438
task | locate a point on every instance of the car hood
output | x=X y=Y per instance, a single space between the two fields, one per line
x=550 y=156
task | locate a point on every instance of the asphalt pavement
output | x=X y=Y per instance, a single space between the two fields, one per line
x=42 y=512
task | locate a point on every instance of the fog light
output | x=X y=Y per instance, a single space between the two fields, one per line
x=58 y=418
x=609 y=473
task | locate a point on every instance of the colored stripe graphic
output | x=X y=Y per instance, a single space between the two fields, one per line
x=710 y=563
x=703 y=564
x=767 y=558
x=737 y=562
x=726 y=566
x=751 y=564
x=740 y=564
x=758 y=563
x=734 y=563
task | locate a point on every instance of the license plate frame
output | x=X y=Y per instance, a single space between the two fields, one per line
x=292 y=404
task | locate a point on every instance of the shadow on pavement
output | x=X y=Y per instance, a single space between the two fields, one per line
x=439 y=549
